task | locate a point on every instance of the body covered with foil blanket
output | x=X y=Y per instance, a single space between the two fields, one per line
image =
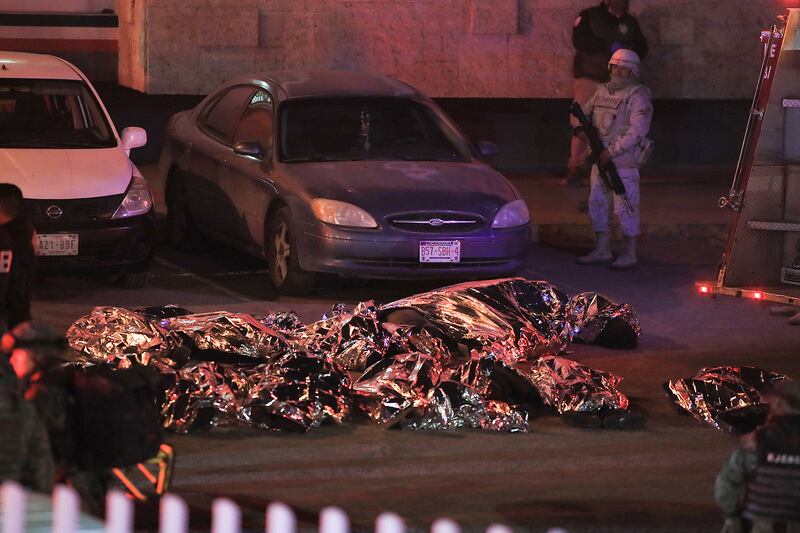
x=727 y=398
x=470 y=355
x=296 y=392
x=514 y=318
x=598 y=320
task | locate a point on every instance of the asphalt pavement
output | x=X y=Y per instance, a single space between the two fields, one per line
x=656 y=479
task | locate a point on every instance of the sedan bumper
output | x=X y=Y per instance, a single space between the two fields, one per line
x=396 y=255
x=107 y=246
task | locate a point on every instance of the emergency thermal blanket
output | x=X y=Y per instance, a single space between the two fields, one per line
x=727 y=398
x=471 y=355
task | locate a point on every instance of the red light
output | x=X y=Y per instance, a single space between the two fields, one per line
x=757 y=295
x=704 y=289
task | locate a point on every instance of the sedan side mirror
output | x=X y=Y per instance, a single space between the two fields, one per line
x=133 y=137
x=249 y=148
x=487 y=149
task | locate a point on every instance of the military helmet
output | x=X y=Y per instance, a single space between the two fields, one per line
x=626 y=58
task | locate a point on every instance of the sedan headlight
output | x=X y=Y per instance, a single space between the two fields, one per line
x=137 y=201
x=341 y=214
x=511 y=215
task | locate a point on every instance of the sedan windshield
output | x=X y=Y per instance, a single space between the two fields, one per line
x=51 y=114
x=352 y=129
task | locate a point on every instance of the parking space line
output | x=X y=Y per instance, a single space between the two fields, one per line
x=204 y=280
x=231 y=273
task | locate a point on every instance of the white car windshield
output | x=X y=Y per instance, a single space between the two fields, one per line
x=359 y=128
x=51 y=114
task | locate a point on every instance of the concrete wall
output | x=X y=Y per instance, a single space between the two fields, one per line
x=447 y=48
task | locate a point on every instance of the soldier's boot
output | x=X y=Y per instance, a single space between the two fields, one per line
x=601 y=254
x=627 y=259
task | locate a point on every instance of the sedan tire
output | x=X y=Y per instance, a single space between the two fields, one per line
x=134 y=280
x=281 y=249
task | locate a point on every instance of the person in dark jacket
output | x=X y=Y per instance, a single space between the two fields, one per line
x=7 y=261
x=598 y=32
x=759 y=482
x=18 y=225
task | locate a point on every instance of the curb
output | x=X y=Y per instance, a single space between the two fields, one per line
x=574 y=234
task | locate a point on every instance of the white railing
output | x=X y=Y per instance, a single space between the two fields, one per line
x=24 y=512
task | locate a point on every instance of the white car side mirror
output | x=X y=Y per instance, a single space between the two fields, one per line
x=133 y=137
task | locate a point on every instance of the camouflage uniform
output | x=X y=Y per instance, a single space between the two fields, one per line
x=622 y=118
x=25 y=454
x=759 y=482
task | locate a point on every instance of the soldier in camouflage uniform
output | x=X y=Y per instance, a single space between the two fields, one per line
x=25 y=454
x=621 y=111
x=760 y=482
x=37 y=355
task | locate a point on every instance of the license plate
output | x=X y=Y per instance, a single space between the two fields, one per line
x=58 y=244
x=439 y=251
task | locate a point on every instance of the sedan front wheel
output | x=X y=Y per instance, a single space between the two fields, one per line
x=281 y=248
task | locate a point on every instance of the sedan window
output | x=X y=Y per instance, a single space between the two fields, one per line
x=221 y=120
x=256 y=122
x=381 y=128
x=51 y=114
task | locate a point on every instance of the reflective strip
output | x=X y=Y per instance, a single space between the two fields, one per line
x=6 y=258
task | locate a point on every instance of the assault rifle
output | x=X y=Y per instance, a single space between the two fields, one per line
x=608 y=171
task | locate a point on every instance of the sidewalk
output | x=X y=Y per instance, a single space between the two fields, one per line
x=672 y=210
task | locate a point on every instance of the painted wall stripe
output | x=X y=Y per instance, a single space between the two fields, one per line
x=91 y=20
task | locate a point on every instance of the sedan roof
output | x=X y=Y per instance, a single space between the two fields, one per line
x=35 y=66
x=305 y=83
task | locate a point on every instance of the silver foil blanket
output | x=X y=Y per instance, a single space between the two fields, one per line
x=119 y=337
x=236 y=333
x=597 y=320
x=295 y=393
x=569 y=386
x=726 y=398
x=349 y=339
x=396 y=385
x=512 y=319
x=473 y=355
x=453 y=405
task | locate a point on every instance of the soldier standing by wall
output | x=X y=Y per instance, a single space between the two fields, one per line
x=760 y=480
x=621 y=111
x=597 y=33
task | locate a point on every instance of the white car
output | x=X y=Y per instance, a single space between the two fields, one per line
x=91 y=207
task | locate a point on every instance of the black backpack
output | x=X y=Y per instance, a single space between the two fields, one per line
x=113 y=417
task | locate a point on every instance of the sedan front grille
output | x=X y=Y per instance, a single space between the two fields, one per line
x=436 y=222
x=71 y=211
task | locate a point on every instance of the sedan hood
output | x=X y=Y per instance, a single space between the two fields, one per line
x=383 y=187
x=62 y=174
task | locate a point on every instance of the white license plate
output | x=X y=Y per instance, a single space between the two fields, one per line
x=439 y=251
x=58 y=244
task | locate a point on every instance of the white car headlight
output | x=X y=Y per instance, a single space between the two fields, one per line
x=511 y=215
x=341 y=214
x=137 y=201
